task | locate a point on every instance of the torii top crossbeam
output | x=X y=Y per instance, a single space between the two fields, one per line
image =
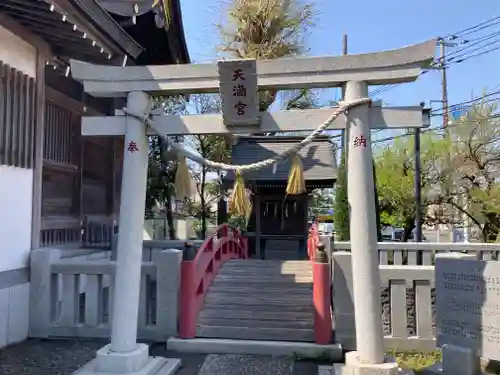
x=388 y=67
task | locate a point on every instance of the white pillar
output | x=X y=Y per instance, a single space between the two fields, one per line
x=129 y=252
x=365 y=265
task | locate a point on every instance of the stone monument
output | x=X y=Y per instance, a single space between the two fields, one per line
x=467 y=313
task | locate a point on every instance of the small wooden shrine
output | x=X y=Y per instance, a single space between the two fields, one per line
x=278 y=225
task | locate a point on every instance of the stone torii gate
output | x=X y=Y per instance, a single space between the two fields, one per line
x=124 y=355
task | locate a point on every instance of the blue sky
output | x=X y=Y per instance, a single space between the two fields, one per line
x=374 y=26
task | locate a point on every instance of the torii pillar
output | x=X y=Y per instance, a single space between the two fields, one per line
x=363 y=228
x=124 y=355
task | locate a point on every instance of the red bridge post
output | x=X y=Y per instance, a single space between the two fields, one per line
x=321 y=297
x=187 y=310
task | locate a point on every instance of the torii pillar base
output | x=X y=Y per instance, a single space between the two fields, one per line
x=137 y=362
x=354 y=366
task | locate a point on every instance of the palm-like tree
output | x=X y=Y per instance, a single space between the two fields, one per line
x=266 y=29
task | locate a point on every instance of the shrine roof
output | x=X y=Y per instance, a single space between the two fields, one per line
x=84 y=30
x=318 y=159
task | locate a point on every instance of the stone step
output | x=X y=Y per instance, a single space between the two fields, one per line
x=275 y=270
x=278 y=269
x=295 y=289
x=268 y=273
x=332 y=352
x=267 y=263
x=245 y=333
x=283 y=285
x=257 y=323
x=265 y=280
x=256 y=300
x=278 y=314
x=257 y=308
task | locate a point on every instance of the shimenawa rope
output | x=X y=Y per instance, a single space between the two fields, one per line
x=240 y=203
x=146 y=118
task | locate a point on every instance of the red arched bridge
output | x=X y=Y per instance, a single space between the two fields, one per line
x=224 y=294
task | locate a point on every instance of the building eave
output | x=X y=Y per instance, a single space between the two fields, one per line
x=105 y=21
x=182 y=51
x=68 y=32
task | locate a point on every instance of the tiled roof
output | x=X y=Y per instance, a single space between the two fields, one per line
x=318 y=158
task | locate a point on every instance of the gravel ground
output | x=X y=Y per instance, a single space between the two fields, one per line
x=42 y=357
x=230 y=364
x=411 y=318
x=63 y=357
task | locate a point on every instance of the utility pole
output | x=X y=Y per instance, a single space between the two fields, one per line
x=344 y=52
x=344 y=134
x=444 y=98
x=444 y=84
x=418 y=189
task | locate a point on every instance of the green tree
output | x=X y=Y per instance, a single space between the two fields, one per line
x=395 y=180
x=377 y=205
x=162 y=167
x=341 y=211
x=321 y=201
x=474 y=171
x=160 y=186
x=212 y=147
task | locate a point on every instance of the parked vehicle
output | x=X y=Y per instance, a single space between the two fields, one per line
x=396 y=234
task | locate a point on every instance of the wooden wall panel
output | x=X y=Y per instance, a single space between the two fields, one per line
x=57 y=194
x=58 y=134
x=17 y=117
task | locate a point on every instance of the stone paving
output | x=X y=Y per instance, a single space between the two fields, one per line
x=63 y=357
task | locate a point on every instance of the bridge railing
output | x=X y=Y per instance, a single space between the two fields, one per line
x=198 y=269
x=322 y=283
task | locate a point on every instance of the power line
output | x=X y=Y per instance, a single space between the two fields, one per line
x=384 y=88
x=471 y=102
x=467 y=46
x=482 y=27
x=459 y=56
x=473 y=28
x=476 y=55
x=430 y=130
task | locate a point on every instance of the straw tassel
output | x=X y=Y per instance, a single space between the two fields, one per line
x=240 y=204
x=296 y=184
x=182 y=180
